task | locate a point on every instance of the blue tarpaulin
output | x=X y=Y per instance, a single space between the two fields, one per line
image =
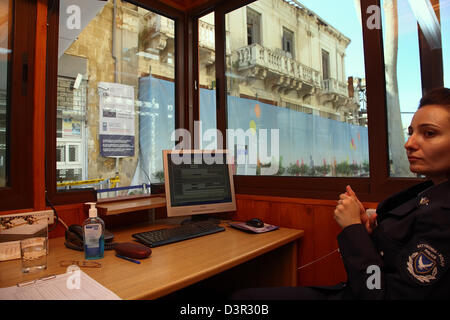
x=303 y=138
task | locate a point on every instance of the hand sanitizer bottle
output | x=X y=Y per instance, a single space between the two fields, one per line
x=93 y=235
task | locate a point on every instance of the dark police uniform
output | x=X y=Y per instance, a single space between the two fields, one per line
x=406 y=257
x=410 y=246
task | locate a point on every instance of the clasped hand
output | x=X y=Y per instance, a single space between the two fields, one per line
x=351 y=211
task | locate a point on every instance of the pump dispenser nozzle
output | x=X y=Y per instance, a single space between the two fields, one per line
x=92 y=210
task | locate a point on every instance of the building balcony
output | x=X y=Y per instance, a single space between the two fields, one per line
x=158 y=32
x=335 y=92
x=334 y=86
x=277 y=70
x=161 y=24
x=161 y=31
x=206 y=35
x=206 y=43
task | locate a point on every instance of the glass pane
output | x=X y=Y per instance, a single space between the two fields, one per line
x=296 y=89
x=445 y=32
x=61 y=153
x=403 y=80
x=73 y=153
x=207 y=78
x=5 y=61
x=115 y=99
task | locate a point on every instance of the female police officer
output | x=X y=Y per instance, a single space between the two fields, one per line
x=409 y=238
x=403 y=250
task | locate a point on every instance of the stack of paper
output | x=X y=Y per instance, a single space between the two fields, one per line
x=75 y=285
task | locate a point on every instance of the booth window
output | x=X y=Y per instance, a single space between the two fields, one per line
x=114 y=97
x=207 y=83
x=287 y=84
x=342 y=91
x=17 y=32
x=293 y=108
x=403 y=79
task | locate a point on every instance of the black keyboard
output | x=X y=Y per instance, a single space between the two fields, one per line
x=160 y=237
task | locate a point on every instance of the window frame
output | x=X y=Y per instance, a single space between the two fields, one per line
x=379 y=184
x=374 y=188
x=288 y=42
x=255 y=27
x=18 y=194
x=182 y=94
x=326 y=63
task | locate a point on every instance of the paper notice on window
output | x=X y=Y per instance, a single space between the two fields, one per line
x=116 y=127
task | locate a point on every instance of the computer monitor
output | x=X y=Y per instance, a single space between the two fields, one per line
x=198 y=183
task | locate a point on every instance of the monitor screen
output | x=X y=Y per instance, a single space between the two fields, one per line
x=198 y=182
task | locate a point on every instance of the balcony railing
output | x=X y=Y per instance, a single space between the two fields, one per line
x=166 y=27
x=334 y=86
x=206 y=35
x=277 y=63
x=162 y=25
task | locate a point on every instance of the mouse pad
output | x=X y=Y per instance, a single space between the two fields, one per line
x=243 y=226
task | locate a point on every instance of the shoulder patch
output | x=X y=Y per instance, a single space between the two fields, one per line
x=425 y=265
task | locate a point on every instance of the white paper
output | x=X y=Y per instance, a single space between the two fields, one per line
x=116 y=109
x=75 y=285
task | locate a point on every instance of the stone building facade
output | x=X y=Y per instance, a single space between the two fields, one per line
x=275 y=51
x=288 y=55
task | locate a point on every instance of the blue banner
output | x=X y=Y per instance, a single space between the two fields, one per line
x=303 y=138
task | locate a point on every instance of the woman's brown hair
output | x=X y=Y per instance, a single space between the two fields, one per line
x=438 y=96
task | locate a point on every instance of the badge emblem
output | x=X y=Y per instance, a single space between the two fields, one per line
x=425 y=264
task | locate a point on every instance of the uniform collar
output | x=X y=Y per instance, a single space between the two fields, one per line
x=405 y=207
x=403 y=199
x=435 y=194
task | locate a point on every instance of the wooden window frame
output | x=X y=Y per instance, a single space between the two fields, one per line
x=182 y=94
x=379 y=184
x=374 y=188
x=18 y=194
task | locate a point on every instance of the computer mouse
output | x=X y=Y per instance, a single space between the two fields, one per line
x=255 y=223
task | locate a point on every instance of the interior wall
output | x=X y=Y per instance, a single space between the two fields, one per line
x=313 y=216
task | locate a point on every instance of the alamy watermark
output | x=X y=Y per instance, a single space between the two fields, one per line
x=73 y=21
x=250 y=147
x=374 y=280
x=73 y=282
x=374 y=19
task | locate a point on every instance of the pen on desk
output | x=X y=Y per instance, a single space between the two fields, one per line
x=129 y=259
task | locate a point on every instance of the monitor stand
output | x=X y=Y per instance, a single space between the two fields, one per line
x=201 y=218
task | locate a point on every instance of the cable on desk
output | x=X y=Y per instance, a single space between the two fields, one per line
x=321 y=258
x=56 y=214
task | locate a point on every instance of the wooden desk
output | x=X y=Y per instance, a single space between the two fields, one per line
x=270 y=259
